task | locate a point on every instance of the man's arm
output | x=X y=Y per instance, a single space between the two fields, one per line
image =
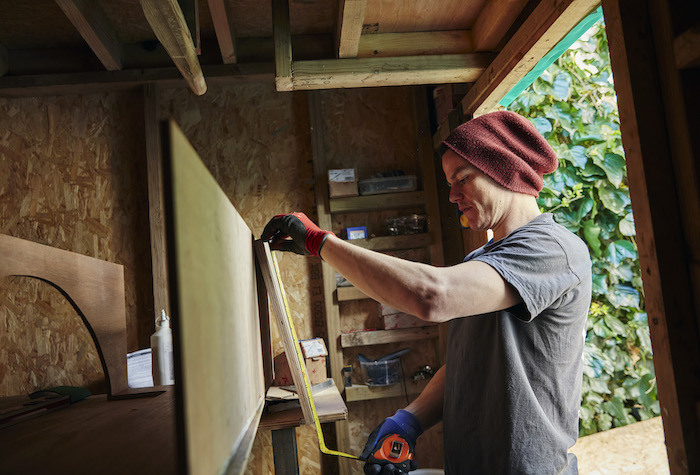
x=427 y=407
x=431 y=293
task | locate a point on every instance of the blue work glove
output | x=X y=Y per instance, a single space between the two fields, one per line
x=405 y=425
x=294 y=232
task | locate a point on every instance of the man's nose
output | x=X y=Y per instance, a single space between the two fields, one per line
x=453 y=195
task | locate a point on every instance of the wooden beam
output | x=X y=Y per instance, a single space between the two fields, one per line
x=169 y=25
x=282 y=35
x=102 y=81
x=493 y=23
x=549 y=22
x=222 y=17
x=375 y=72
x=154 y=168
x=388 y=45
x=663 y=252
x=4 y=60
x=686 y=48
x=98 y=32
x=362 y=204
x=351 y=15
x=380 y=337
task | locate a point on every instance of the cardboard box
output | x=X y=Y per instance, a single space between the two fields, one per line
x=342 y=183
x=315 y=354
x=394 y=319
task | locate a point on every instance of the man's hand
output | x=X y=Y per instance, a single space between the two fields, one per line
x=294 y=232
x=402 y=423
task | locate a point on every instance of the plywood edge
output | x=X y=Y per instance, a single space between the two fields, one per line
x=244 y=445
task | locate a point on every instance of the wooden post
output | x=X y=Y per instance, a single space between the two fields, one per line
x=662 y=238
x=155 y=200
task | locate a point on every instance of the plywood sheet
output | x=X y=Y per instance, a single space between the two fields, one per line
x=219 y=372
x=95 y=288
x=388 y=16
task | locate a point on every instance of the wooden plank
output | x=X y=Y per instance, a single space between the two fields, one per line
x=330 y=407
x=102 y=81
x=686 y=48
x=222 y=17
x=351 y=15
x=350 y=293
x=98 y=32
x=394 y=243
x=661 y=244
x=169 y=25
x=289 y=339
x=282 y=35
x=375 y=72
x=358 y=204
x=4 y=60
x=387 y=45
x=390 y=16
x=380 y=337
x=154 y=169
x=94 y=288
x=360 y=392
x=96 y=432
x=213 y=300
x=549 y=22
x=493 y=23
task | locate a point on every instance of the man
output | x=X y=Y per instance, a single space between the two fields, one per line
x=509 y=393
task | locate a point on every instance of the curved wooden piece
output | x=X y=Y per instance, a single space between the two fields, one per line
x=95 y=289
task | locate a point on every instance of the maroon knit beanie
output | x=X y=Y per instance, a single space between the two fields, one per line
x=508 y=148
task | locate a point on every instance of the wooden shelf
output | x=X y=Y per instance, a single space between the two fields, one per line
x=379 y=337
x=394 y=243
x=360 y=392
x=350 y=293
x=358 y=204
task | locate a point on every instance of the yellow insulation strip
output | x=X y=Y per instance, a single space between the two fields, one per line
x=321 y=441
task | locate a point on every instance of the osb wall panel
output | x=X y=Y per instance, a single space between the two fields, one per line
x=44 y=341
x=72 y=176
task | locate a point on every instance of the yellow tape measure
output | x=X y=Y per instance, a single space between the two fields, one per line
x=319 y=432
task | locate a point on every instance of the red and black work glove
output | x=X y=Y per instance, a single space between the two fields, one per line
x=390 y=446
x=294 y=232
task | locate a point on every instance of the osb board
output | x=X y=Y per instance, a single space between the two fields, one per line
x=388 y=16
x=214 y=304
x=72 y=176
x=43 y=341
x=637 y=449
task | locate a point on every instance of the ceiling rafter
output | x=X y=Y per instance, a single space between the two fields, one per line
x=366 y=72
x=549 y=22
x=351 y=16
x=493 y=23
x=98 y=32
x=383 y=45
x=222 y=18
x=168 y=23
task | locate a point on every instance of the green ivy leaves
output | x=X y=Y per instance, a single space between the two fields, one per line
x=573 y=105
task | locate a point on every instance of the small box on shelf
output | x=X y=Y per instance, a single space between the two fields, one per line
x=314 y=352
x=342 y=183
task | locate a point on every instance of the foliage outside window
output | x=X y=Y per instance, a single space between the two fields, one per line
x=573 y=104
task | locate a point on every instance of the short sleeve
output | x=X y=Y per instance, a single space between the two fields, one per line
x=538 y=264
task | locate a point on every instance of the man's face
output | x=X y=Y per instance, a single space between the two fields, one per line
x=477 y=195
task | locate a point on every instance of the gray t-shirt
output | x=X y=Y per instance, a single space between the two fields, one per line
x=513 y=381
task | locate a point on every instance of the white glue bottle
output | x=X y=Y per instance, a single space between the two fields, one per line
x=162 y=352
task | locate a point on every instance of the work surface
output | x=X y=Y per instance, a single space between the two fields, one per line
x=131 y=436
